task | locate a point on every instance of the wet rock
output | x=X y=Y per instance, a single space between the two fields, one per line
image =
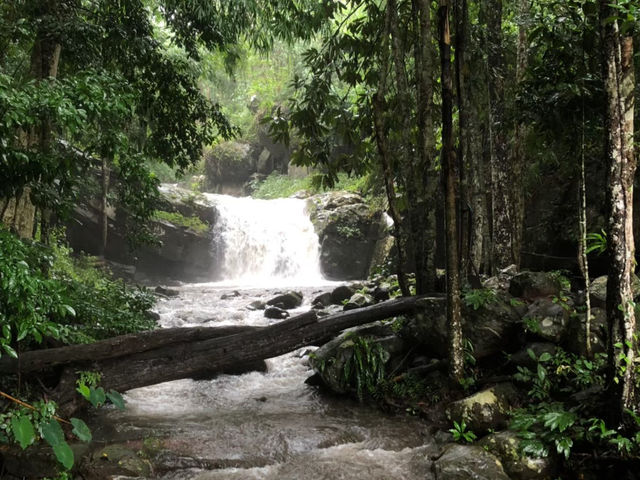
x=167 y=292
x=577 y=332
x=341 y=293
x=155 y=316
x=382 y=292
x=276 y=313
x=348 y=230
x=486 y=410
x=506 y=446
x=491 y=328
x=330 y=360
x=256 y=305
x=115 y=460
x=287 y=300
x=323 y=300
x=548 y=319
x=532 y=285
x=227 y=296
x=359 y=300
x=468 y=462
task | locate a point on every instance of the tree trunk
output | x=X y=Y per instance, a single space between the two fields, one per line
x=454 y=318
x=520 y=135
x=461 y=15
x=424 y=170
x=619 y=86
x=502 y=246
x=133 y=361
x=385 y=158
x=104 y=205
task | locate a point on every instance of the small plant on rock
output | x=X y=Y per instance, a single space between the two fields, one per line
x=461 y=434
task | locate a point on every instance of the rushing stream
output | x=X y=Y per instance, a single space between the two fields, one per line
x=263 y=425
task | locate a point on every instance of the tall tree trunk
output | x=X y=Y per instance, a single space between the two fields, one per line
x=520 y=135
x=425 y=172
x=454 y=319
x=461 y=16
x=619 y=86
x=385 y=157
x=104 y=205
x=500 y=174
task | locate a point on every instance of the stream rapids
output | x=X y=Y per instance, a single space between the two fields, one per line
x=261 y=425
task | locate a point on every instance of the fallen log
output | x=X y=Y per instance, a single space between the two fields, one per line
x=120 y=346
x=133 y=361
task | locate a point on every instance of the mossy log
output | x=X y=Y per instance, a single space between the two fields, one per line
x=148 y=358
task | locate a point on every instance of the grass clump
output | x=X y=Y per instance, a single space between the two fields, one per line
x=192 y=223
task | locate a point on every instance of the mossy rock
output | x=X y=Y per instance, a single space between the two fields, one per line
x=485 y=411
x=468 y=462
x=506 y=446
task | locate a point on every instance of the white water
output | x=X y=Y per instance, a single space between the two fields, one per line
x=265 y=242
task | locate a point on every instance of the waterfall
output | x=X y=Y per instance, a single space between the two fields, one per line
x=262 y=242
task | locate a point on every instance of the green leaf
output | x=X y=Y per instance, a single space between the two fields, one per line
x=52 y=432
x=97 y=396
x=10 y=351
x=23 y=431
x=84 y=391
x=116 y=399
x=545 y=357
x=70 y=310
x=81 y=430
x=64 y=454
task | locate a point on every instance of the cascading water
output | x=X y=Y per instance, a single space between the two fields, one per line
x=265 y=241
x=261 y=425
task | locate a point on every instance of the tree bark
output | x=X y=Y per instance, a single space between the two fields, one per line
x=454 y=318
x=520 y=135
x=137 y=360
x=502 y=246
x=619 y=87
x=104 y=205
x=385 y=158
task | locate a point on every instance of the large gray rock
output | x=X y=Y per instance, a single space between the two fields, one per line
x=286 y=300
x=532 y=285
x=228 y=166
x=359 y=300
x=348 y=230
x=598 y=290
x=576 y=337
x=468 y=462
x=506 y=447
x=491 y=328
x=486 y=410
x=330 y=360
x=548 y=319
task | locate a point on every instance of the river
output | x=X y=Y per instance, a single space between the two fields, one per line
x=262 y=425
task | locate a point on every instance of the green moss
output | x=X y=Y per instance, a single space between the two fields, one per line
x=192 y=223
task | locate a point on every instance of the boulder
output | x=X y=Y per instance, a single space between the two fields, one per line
x=548 y=319
x=275 y=313
x=506 y=447
x=286 y=301
x=348 y=231
x=330 y=360
x=382 y=292
x=575 y=340
x=181 y=253
x=322 y=300
x=486 y=410
x=257 y=305
x=532 y=285
x=598 y=290
x=228 y=166
x=492 y=328
x=468 y=462
x=359 y=300
x=341 y=293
